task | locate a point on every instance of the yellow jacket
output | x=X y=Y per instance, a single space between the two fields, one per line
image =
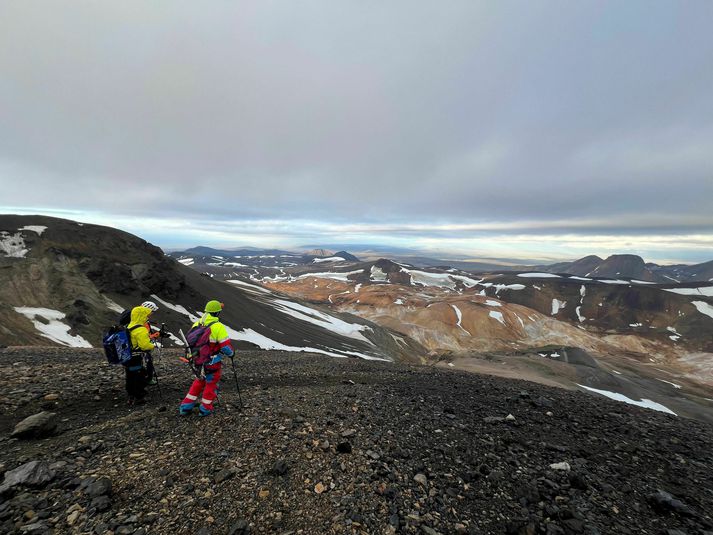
x=140 y=336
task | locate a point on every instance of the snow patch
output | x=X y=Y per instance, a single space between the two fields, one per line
x=187 y=261
x=329 y=275
x=264 y=342
x=176 y=308
x=459 y=316
x=579 y=316
x=492 y=303
x=249 y=286
x=646 y=403
x=670 y=383
x=499 y=287
x=706 y=291
x=55 y=330
x=38 y=229
x=703 y=308
x=330 y=259
x=557 y=305
x=538 y=276
x=111 y=305
x=12 y=245
x=497 y=316
x=442 y=280
x=378 y=274
x=325 y=321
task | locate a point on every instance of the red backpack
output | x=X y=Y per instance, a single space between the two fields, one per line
x=198 y=339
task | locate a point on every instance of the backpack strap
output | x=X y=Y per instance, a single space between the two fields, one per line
x=132 y=345
x=208 y=324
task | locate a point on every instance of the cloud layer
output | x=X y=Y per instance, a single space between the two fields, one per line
x=472 y=121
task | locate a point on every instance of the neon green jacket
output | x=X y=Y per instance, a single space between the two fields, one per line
x=140 y=336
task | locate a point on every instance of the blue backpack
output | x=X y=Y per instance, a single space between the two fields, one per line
x=117 y=344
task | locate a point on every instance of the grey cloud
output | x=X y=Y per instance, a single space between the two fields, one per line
x=397 y=111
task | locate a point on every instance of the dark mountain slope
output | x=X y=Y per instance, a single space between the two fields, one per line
x=340 y=446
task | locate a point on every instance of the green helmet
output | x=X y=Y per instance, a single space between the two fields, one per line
x=213 y=306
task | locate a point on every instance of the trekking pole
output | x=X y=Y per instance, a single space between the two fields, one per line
x=150 y=362
x=235 y=375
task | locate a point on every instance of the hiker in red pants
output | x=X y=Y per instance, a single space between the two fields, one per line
x=216 y=345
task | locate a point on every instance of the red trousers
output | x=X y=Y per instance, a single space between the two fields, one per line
x=209 y=386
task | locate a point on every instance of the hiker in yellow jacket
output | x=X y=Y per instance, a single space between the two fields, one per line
x=138 y=375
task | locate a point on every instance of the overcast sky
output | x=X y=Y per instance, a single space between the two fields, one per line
x=518 y=129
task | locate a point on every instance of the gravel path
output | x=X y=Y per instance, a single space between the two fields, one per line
x=338 y=446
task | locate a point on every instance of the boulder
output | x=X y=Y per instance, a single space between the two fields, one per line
x=32 y=474
x=42 y=424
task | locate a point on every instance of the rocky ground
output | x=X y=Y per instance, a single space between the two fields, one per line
x=338 y=446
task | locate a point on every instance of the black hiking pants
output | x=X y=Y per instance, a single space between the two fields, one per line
x=137 y=376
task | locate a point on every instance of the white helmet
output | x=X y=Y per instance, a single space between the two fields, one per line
x=150 y=305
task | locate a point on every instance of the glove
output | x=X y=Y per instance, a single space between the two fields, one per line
x=227 y=351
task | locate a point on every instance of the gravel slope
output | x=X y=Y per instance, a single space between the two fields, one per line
x=343 y=446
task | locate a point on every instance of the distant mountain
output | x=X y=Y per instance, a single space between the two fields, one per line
x=629 y=266
x=346 y=256
x=320 y=253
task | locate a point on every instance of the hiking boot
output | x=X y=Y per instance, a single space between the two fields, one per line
x=203 y=412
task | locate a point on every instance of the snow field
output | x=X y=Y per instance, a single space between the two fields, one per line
x=55 y=329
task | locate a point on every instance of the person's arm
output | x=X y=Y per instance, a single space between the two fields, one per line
x=222 y=343
x=142 y=340
x=153 y=335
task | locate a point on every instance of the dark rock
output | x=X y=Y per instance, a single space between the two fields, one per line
x=42 y=424
x=344 y=447
x=662 y=502
x=493 y=419
x=225 y=474
x=241 y=527
x=32 y=474
x=280 y=468
x=100 y=487
x=101 y=503
x=35 y=528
